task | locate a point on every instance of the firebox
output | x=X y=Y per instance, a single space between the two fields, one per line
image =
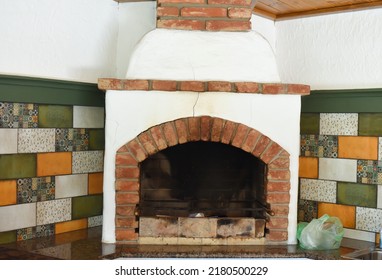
x=202 y=137
x=202 y=179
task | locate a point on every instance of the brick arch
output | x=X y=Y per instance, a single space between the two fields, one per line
x=203 y=128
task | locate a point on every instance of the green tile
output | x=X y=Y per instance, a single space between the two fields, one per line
x=310 y=123
x=96 y=139
x=7 y=237
x=370 y=124
x=87 y=206
x=17 y=166
x=55 y=116
x=357 y=194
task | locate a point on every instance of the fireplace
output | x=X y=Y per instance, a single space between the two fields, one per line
x=202 y=138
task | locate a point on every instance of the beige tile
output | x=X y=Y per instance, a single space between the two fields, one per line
x=338 y=169
x=88 y=117
x=8 y=140
x=17 y=216
x=71 y=185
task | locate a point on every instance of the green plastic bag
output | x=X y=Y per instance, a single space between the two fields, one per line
x=320 y=234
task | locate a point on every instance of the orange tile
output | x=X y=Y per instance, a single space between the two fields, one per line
x=71 y=225
x=345 y=213
x=8 y=192
x=54 y=164
x=95 y=183
x=308 y=167
x=358 y=147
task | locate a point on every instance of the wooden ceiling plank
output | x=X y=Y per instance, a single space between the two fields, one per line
x=335 y=9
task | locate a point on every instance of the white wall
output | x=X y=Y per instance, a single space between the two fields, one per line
x=135 y=20
x=266 y=28
x=63 y=39
x=337 y=51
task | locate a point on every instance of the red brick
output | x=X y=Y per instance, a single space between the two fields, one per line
x=298 y=89
x=261 y=146
x=247 y=87
x=278 y=186
x=251 y=141
x=194 y=128
x=227 y=25
x=125 y=159
x=277 y=235
x=231 y=2
x=129 y=222
x=167 y=11
x=274 y=89
x=125 y=210
x=123 y=149
x=181 y=24
x=280 y=162
x=271 y=152
x=170 y=134
x=136 y=85
x=126 y=235
x=192 y=86
x=278 y=174
x=203 y=12
x=158 y=137
x=164 y=85
x=181 y=1
x=125 y=185
x=228 y=131
x=280 y=210
x=126 y=172
x=110 y=84
x=244 y=13
x=127 y=198
x=276 y=222
x=241 y=133
x=279 y=198
x=136 y=150
x=181 y=130
x=220 y=86
x=205 y=128
x=216 y=130
x=148 y=143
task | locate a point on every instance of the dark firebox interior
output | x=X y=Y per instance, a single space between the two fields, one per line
x=212 y=179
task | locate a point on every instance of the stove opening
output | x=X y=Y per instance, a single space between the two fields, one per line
x=206 y=179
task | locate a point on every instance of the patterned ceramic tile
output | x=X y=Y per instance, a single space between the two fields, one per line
x=36 y=140
x=338 y=169
x=8 y=140
x=369 y=172
x=71 y=185
x=368 y=219
x=17 y=216
x=35 y=189
x=95 y=221
x=18 y=115
x=319 y=146
x=54 y=211
x=307 y=210
x=35 y=232
x=88 y=117
x=87 y=162
x=338 y=124
x=72 y=139
x=318 y=190
x=379 y=196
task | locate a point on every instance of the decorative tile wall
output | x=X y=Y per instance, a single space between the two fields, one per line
x=51 y=169
x=341 y=170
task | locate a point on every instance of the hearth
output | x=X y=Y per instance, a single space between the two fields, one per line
x=202 y=138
